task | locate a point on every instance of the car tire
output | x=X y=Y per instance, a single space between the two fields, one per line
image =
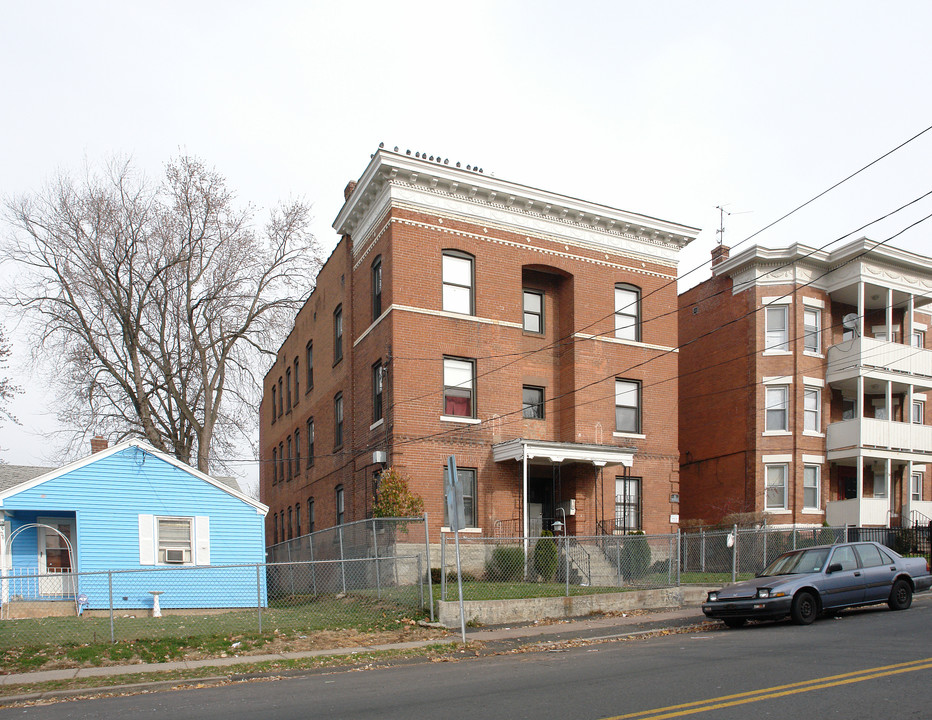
x=901 y=595
x=805 y=608
x=734 y=622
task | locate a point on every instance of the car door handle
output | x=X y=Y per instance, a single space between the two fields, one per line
x=857 y=574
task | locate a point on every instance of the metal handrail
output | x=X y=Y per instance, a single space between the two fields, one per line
x=579 y=556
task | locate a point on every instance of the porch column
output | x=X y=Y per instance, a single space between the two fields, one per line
x=860 y=479
x=888 y=471
x=860 y=309
x=908 y=325
x=889 y=314
x=908 y=495
x=888 y=401
x=524 y=507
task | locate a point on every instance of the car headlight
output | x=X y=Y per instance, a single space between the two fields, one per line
x=763 y=592
x=713 y=596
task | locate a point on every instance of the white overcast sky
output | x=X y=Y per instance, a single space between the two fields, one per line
x=662 y=108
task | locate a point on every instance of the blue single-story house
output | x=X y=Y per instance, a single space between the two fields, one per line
x=124 y=523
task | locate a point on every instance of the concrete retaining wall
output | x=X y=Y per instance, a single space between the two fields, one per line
x=501 y=612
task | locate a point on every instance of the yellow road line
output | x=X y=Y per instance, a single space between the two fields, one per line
x=777 y=691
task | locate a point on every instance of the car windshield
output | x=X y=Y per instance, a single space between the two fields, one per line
x=797 y=562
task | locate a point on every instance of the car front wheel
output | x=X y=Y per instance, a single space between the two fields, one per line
x=901 y=596
x=805 y=608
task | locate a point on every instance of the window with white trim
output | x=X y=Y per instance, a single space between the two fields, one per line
x=915 y=486
x=918 y=339
x=466 y=477
x=627 y=406
x=174 y=540
x=775 y=489
x=811 y=487
x=459 y=387
x=812 y=409
x=918 y=412
x=776 y=407
x=627 y=504
x=339 y=504
x=776 y=336
x=812 y=330
x=627 y=312
x=457 y=270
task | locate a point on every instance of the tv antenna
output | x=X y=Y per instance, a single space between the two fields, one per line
x=722 y=212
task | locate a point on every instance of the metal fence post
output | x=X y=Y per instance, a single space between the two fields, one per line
x=310 y=547
x=430 y=580
x=794 y=537
x=342 y=560
x=566 y=553
x=290 y=569
x=734 y=554
x=378 y=575
x=259 y=595
x=702 y=550
x=420 y=579
x=110 y=593
x=443 y=566
x=680 y=538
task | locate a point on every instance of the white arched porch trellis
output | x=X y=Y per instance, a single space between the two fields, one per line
x=6 y=544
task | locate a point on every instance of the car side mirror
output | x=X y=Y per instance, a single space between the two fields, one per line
x=834 y=567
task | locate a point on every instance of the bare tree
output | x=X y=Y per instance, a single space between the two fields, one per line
x=7 y=388
x=155 y=302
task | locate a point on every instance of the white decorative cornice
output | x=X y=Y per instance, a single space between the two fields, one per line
x=392 y=178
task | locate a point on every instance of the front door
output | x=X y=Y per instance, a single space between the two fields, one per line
x=55 y=561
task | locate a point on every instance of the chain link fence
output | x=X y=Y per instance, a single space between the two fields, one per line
x=364 y=576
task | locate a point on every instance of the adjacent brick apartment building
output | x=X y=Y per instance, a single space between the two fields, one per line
x=529 y=334
x=803 y=385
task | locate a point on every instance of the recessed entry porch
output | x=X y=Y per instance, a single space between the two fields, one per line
x=559 y=483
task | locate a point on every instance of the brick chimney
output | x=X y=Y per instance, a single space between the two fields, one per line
x=348 y=190
x=719 y=254
x=98 y=443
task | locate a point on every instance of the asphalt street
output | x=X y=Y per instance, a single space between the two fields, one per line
x=869 y=663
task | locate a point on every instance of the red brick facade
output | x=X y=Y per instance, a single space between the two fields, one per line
x=726 y=369
x=403 y=215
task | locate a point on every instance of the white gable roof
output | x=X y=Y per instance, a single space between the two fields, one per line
x=144 y=447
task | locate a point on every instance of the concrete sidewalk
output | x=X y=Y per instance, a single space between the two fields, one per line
x=494 y=639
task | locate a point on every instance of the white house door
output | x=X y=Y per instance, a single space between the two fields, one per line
x=55 y=562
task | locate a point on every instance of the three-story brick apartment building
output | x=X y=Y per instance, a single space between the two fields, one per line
x=529 y=334
x=804 y=377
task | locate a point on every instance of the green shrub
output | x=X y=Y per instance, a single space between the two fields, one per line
x=545 y=556
x=635 y=556
x=506 y=564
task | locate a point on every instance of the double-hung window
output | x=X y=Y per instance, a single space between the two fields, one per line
x=338 y=420
x=777 y=338
x=467 y=479
x=338 y=334
x=175 y=540
x=458 y=282
x=777 y=408
x=812 y=410
x=627 y=406
x=627 y=312
x=532 y=402
x=297 y=452
x=281 y=398
x=310 y=515
x=811 y=486
x=376 y=288
x=812 y=331
x=915 y=486
x=918 y=412
x=297 y=382
x=459 y=387
x=310 y=442
x=775 y=491
x=288 y=390
x=274 y=401
x=918 y=338
x=627 y=504
x=274 y=465
x=309 y=362
x=377 y=372
x=534 y=311
x=288 y=461
x=339 y=504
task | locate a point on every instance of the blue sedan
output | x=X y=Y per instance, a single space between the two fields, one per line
x=804 y=583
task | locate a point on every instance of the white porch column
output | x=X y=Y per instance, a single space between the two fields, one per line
x=526 y=524
x=888 y=402
x=908 y=495
x=860 y=478
x=908 y=325
x=889 y=314
x=860 y=309
x=888 y=471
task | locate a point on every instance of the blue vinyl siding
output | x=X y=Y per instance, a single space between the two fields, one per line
x=108 y=495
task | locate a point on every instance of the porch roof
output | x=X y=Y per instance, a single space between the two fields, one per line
x=559 y=452
x=13 y=475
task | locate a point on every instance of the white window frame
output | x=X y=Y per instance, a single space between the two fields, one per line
x=917 y=415
x=812 y=332
x=151 y=548
x=627 y=312
x=452 y=367
x=457 y=297
x=772 y=404
x=784 y=469
x=624 y=389
x=915 y=486
x=809 y=486
x=917 y=338
x=774 y=343
x=812 y=417
x=536 y=315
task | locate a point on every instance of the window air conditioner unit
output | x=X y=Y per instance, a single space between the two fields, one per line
x=379 y=457
x=174 y=555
